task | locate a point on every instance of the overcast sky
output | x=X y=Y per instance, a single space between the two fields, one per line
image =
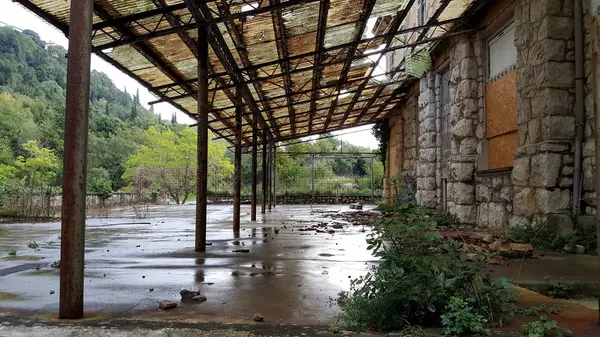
x=17 y=16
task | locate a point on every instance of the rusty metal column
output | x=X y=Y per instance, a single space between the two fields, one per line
x=202 y=152
x=254 y=166
x=72 y=248
x=274 y=174
x=270 y=177
x=237 y=174
x=264 y=176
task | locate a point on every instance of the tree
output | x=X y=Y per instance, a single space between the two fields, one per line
x=39 y=167
x=174 y=118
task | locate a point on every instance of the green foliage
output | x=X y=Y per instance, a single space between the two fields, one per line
x=39 y=166
x=418 y=275
x=460 y=319
x=55 y=264
x=12 y=252
x=33 y=245
x=381 y=131
x=558 y=289
x=99 y=182
x=547 y=235
x=537 y=310
x=543 y=327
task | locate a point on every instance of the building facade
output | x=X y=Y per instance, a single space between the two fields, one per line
x=489 y=132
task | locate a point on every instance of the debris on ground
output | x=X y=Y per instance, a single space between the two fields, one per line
x=357 y=206
x=189 y=293
x=242 y=251
x=167 y=304
x=199 y=298
x=258 y=318
x=359 y=218
x=477 y=243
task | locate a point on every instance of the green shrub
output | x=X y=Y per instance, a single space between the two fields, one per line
x=12 y=252
x=543 y=327
x=418 y=275
x=33 y=245
x=55 y=264
x=547 y=235
x=558 y=289
x=460 y=319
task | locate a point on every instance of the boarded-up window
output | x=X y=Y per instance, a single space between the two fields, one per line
x=501 y=99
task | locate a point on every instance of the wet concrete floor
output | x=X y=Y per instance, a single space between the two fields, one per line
x=287 y=275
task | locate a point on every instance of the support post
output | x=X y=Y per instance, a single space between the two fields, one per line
x=254 y=166
x=237 y=175
x=202 y=154
x=270 y=177
x=313 y=178
x=264 y=176
x=595 y=32
x=275 y=175
x=72 y=248
x=372 y=179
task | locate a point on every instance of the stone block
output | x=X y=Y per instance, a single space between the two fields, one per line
x=497 y=217
x=427 y=199
x=558 y=127
x=559 y=27
x=566 y=182
x=555 y=50
x=427 y=140
x=520 y=172
x=506 y=194
x=544 y=169
x=428 y=125
x=482 y=215
x=461 y=171
x=588 y=174
x=552 y=200
x=425 y=170
x=560 y=74
x=589 y=148
x=463 y=128
x=517 y=221
x=468 y=68
x=534 y=132
x=524 y=202
x=567 y=170
x=462 y=193
x=468 y=146
x=484 y=193
x=426 y=184
x=553 y=147
x=427 y=155
x=466 y=214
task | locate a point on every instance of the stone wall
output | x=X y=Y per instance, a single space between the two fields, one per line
x=545 y=98
x=540 y=183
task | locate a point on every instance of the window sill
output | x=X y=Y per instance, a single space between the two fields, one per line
x=492 y=172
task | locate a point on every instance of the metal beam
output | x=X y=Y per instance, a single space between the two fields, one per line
x=364 y=18
x=254 y=167
x=394 y=25
x=269 y=177
x=310 y=55
x=317 y=72
x=72 y=247
x=237 y=173
x=279 y=30
x=264 y=178
x=184 y=27
x=202 y=151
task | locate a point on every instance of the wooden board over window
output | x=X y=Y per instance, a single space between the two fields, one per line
x=501 y=99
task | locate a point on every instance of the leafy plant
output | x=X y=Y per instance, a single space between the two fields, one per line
x=33 y=245
x=460 y=319
x=543 y=327
x=536 y=310
x=55 y=264
x=558 y=289
x=12 y=252
x=418 y=275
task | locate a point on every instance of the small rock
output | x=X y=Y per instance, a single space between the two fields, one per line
x=495 y=246
x=276 y=231
x=143 y=276
x=236 y=273
x=199 y=298
x=569 y=248
x=189 y=292
x=151 y=289
x=166 y=304
x=51 y=292
x=579 y=249
x=488 y=239
x=258 y=318
x=337 y=226
x=331 y=231
x=137 y=246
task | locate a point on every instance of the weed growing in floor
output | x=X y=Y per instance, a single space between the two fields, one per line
x=460 y=319
x=418 y=276
x=33 y=245
x=543 y=327
x=537 y=310
x=558 y=289
x=547 y=235
x=55 y=264
x=12 y=252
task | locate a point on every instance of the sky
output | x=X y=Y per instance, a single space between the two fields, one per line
x=15 y=15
